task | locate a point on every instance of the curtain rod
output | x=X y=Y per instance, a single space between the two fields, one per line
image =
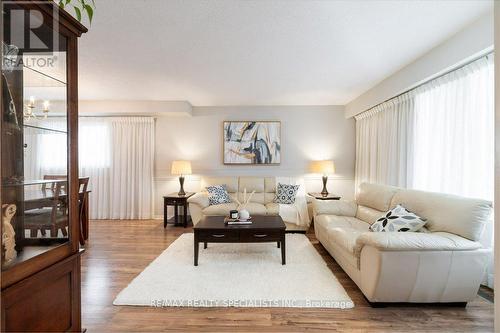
x=488 y=53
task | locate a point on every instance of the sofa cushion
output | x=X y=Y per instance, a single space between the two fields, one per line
x=217 y=194
x=255 y=208
x=334 y=207
x=462 y=216
x=333 y=221
x=251 y=184
x=415 y=241
x=367 y=214
x=222 y=209
x=256 y=197
x=376 y=196
x=230 y=182
x=200 y=198
x=285 y=193
x=273 y=208
x=342 y=231
x=345 y=238
x=398 y=219
x=270 y=184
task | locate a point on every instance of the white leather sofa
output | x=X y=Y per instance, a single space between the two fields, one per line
x=442 y=263
x=260 y=204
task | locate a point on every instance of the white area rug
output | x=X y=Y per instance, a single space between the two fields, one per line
x=238 y=275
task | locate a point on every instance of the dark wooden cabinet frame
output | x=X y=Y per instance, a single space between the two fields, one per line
x=25 y=286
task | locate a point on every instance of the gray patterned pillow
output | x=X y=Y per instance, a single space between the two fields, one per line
x=285 y=194
x=398 y=219
x=217 y=194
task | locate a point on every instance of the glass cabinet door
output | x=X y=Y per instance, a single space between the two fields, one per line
x=34 y=163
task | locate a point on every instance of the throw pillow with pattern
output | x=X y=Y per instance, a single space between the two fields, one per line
x=398 y=219
x=285 y=194
x=217 y=194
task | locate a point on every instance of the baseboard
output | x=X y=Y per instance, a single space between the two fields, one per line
x=403 y=304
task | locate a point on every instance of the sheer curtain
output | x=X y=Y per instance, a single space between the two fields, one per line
x=383 y=147
x=116 y=153
x=45 y=152
x=454 y=132
x=438 y=137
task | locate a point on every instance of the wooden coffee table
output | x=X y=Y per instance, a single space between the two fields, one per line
x=211 y=229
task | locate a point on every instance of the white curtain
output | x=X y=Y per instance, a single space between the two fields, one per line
x=116 y=153
x=438 y=137
x=454 y=132
x=383 y=148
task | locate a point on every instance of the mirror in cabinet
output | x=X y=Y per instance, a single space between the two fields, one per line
x=34 y=161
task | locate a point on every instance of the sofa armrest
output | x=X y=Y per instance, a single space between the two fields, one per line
x=200 y=199
x=334 y=207
x=415 y=241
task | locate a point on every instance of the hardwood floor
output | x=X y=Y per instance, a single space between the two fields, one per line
x=119 y=250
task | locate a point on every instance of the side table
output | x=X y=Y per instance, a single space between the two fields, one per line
x=320 y=196
x=176 y=200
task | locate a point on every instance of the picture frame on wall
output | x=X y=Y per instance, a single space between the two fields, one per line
x=252 y=142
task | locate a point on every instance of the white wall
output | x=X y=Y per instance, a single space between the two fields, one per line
x=308 y=133
x=466 y=45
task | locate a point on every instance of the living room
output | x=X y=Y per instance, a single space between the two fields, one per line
x=249 y=166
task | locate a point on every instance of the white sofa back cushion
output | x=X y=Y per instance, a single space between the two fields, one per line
x=444 y=212
x=264 y=187
x=368 y=215
x=375 y=196
x=230 y=182
x=339 y=208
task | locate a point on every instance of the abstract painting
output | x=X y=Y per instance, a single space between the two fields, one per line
x=252 y=142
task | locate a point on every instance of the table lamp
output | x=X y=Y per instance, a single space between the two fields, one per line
x=181 y=168
x=325 y=168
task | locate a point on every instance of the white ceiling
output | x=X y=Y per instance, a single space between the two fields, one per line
x=256 y=52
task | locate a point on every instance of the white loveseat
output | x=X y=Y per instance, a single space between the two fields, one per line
x=442 y=263
x=260 y=204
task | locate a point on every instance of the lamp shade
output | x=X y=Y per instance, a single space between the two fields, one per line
x=181 y=168
x=323 y=167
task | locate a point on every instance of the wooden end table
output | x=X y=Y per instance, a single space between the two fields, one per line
x=264 y=228
x=320 y=196
x=176 y=200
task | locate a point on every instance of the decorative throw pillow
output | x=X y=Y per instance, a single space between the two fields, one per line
x=398 y=219
x=285 y=194
x=217 y=194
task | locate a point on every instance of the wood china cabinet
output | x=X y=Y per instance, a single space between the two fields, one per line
x=40 y=277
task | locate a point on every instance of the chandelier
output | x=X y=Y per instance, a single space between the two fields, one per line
x=29 y=111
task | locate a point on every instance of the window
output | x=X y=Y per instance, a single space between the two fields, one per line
x=453 y=134
x=94 y=145
x=46 y=151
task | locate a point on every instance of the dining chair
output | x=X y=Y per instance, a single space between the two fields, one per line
x=82 y=205
x=53 y=216
x=54 y=177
